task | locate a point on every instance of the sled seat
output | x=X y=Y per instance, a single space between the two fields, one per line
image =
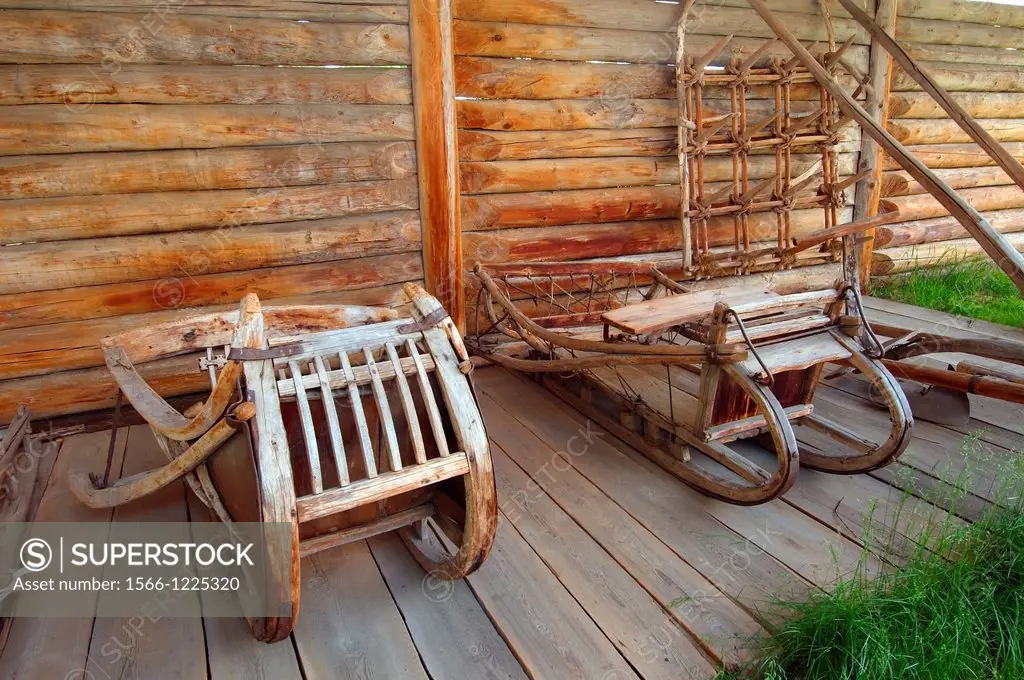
x=766 y=315
x=644 y=318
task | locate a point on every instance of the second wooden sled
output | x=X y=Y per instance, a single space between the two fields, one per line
x=681 y=376
x=344 y=422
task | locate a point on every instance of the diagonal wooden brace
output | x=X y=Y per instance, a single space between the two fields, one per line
x=994 y=243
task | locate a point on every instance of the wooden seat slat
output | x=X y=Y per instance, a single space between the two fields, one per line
x=308 y=428
x=408 y=405
x=387 y=422
x=360 y=376
x=362 y=429
x=333 y=423
x=433 y=414
x=657 y=315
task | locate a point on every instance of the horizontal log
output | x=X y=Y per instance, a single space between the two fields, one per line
x=512 y=40
x=93 y=389
x=513 y=211
x=986 y=386
x=83 y=390
x=91 y=262
x=564 y=114
x=484 y=145
x=80 y=87
x=492 y=78
x=993 y=369
x=710 y=17
x=135 y=127
x=924 y=206
x=944 y=229
x=513 y=79
x=499 y=177
x=902 y=184
x=588 y=114
x=963 y=77
x=961 y=54
x=477 y=145
x=505 y=211
x=109 y=39
x=787 y=282
x=798 y=280
x=896 y=260
x=976 y=104
x=571 y=43
x=371 y=11
x=555 y=244
x=202 y=290
x=941 y=32
x=927 y=131
x=56 y=347
x=956 y=10
x=954 y=155
x=581 y=241
x=76 y=217
x=204 y=169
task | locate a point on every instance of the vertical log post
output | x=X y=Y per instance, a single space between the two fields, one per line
x=869 y=193
x=433 y=85
x=683 y=135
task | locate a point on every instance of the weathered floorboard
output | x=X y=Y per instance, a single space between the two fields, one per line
x=347 y=613
x=57 y=647
x=155 y=647
x=449 y=627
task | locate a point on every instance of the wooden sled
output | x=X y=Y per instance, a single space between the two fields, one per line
x=681 y=375
x=344 y=422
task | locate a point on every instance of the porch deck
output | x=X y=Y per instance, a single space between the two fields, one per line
x=605 y=567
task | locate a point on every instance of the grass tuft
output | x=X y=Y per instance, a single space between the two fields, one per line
x=972 y=288
x=953 y=609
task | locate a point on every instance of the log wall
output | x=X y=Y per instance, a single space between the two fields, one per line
x=159 y=157
x=972 y=50
x=567 y=121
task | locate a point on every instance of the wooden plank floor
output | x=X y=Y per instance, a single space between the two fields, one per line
x=605 y=567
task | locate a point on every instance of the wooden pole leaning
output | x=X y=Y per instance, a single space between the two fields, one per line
x=960 y=116
x=995 y=244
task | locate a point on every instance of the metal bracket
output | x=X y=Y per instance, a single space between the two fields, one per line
x=219 y=361
x=769 y=379
x=428 y=322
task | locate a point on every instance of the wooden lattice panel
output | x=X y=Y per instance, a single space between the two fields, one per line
x=719 y=101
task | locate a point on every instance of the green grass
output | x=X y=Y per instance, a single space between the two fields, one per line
x=953 y=610
x=972 y=288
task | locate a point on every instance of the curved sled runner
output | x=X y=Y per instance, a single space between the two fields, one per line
x=342 y=422
x=686 y=377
